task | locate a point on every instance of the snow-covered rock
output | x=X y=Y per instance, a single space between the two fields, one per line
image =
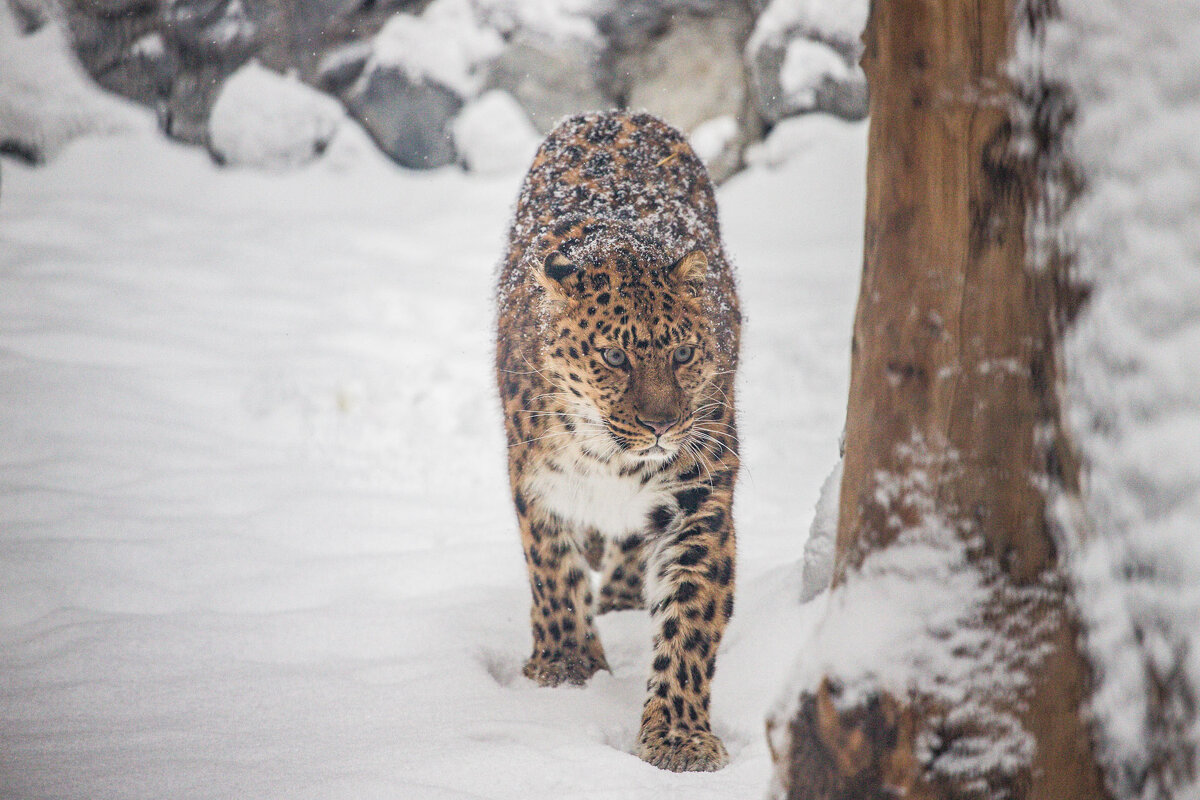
x=788 y=139
x=204 y=42
x=421 y=71
x=803 y=56
x=691 y=72
x=446 y=45
x=405 y=68
x=338 y=69
x=493 y=134
x=551 y=20
x=552 y=77
x=46 y=99
x=409 y=120
x=264 y=119
x=711 y=138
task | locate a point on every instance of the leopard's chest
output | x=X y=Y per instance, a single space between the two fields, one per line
x=588 y=494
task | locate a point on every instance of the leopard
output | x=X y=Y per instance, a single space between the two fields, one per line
x=617 y=345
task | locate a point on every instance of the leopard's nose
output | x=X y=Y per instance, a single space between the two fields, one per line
x=659 y=426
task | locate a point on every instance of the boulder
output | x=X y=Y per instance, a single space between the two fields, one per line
x=108 y=47
x=551 y=78
x=691 y=72
x=803 y=57
x=683 y=61
x=46 y=99
x=629 y=25
x=406 y=68
x=493 y=134
x=266 y=120
x=341 y=67
x=174 y=55
x=409 y=119
x=421 y=71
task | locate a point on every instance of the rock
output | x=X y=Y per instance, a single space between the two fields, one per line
x=263 y=119
x=421 y=71
x=692 y=72
x=105 y=46
x=803 y=57
x=493 y=134
x=216 y=30
x=710 y=139
x=551 y=78
x=409 y=120
x=629 y=25
x=406 y=68
x=683 y=61
x=46 y=99
x=447 y=45
x=815 y=77
x=341 y=67
x=805 y=75
x=173 y=55
x=721 y=144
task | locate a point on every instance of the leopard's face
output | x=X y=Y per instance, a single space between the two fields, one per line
x=630 y=350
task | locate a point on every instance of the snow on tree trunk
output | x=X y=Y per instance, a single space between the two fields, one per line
x=948 y=664
x=1132 y=369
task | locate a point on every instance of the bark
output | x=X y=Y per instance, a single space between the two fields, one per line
x=954 y=352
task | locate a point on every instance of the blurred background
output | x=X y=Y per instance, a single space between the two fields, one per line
x=434 y=82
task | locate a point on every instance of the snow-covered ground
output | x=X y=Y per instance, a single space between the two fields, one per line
x=255 y=534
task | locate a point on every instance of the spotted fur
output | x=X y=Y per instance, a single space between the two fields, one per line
x=616 y=349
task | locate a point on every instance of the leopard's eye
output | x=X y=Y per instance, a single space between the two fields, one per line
x=684 y=353
x=614 y=357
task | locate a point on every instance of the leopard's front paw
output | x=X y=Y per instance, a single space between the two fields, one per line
x=682 y=751
x=573 y=667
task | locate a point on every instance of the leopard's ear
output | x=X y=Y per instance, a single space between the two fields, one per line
x=557 y=267
x=690 y=271
x=554 y=271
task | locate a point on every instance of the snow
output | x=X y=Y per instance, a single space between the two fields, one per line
x=1133 y=376
x=493 y=134
x=840 y=21
x=819 y=548
x=447 y=43
x=806 y=66
x=713 y=136
x=553 y=20
x=914 y=621
x=792 y=138
x=267 y=120
x=151 y=47
x=234 y=26
x=46 y=99
x=255 y=529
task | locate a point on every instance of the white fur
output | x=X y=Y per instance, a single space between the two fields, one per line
x=592 y=495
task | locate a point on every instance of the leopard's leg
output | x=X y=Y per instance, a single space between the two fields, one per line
x=622 y=570
x=566 y=648
x=593 y=547
x=690 y=577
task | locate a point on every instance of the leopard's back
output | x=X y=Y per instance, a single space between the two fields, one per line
x=625 y=167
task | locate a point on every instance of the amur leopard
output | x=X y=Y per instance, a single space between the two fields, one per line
x=616 y=351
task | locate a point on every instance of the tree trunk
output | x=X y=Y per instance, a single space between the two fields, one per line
x=949 y=664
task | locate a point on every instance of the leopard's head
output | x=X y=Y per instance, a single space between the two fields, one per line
x=628 y=345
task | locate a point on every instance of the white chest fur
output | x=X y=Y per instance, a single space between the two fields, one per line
x=590 y=494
